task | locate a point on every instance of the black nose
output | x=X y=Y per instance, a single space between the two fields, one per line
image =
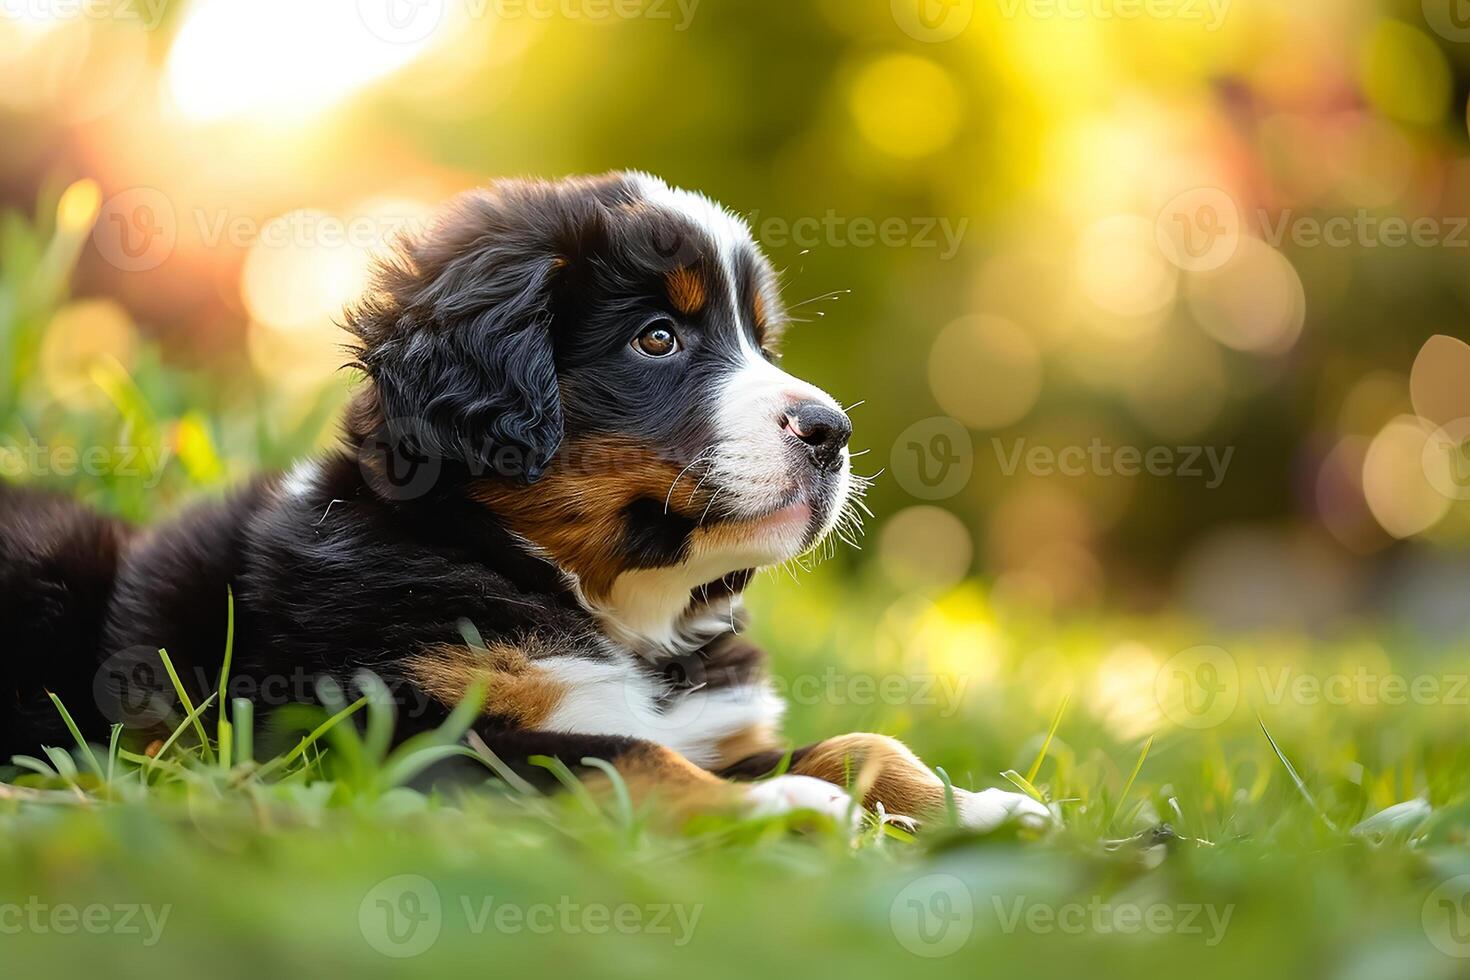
x=822 y=428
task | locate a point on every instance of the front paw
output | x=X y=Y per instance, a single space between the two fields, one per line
x=790 y=794
x=992 y=808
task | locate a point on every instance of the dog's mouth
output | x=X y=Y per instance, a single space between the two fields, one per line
x=797 y=519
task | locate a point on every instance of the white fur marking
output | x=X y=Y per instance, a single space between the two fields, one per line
x=605 y=698
x=300 y=482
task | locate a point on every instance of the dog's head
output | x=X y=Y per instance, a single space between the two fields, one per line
x=600 y=354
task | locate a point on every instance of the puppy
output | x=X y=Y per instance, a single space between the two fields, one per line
x=574 y=447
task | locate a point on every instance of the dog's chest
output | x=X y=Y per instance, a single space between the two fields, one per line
x=691 y=704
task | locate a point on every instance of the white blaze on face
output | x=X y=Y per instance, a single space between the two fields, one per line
x=756 y=464
x=755 y=468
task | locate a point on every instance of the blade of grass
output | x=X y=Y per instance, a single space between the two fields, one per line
x=76 y=734
x=223 y=726
x=34 y=765
x=404 y=768
x=1046 y=745
x=243 y=711
x=564 y=776
x=949 y=804
x=310 y=740
x=1137 y=768
x=1291 y=771
x=1024 y=785
x=192 y=719
x=112 y=748
x=620 y=790
x=188 y=704
x=505 y=772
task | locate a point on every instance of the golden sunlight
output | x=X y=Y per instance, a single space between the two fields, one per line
x=280 y=60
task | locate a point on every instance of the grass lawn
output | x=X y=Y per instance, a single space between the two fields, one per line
x=1187 y=843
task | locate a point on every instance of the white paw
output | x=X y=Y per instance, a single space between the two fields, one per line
x=990 y=808
x=788 y=794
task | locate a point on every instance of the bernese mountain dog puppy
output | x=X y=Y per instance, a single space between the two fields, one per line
x=573 y=449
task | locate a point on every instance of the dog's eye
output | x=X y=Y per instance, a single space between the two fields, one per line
x=657 y=339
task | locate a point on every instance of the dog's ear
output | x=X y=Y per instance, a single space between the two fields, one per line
x=457 y=339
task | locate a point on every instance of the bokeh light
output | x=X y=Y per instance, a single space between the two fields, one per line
x=985 y=370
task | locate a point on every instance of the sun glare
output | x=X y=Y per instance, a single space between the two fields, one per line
x=286 y=60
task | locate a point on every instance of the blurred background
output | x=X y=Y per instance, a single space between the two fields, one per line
x=1150 y=305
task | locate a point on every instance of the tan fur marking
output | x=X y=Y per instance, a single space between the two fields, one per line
x=746 y=743
x=682 y=789
x=686 y=291
x=575 y=514
x=883 y=768
x=517 y=689
x=760 y=310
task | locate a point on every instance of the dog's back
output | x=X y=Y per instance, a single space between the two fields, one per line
x=58 y=563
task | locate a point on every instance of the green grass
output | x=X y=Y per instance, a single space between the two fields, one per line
x=284 y=864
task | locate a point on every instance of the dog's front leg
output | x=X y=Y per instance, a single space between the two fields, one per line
x=889 y=773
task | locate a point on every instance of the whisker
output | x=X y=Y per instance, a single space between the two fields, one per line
x=835 y=294
x=670 y=495
x=713 y=497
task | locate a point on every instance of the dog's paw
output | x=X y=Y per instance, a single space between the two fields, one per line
x=790 y=794
x=992 y=808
